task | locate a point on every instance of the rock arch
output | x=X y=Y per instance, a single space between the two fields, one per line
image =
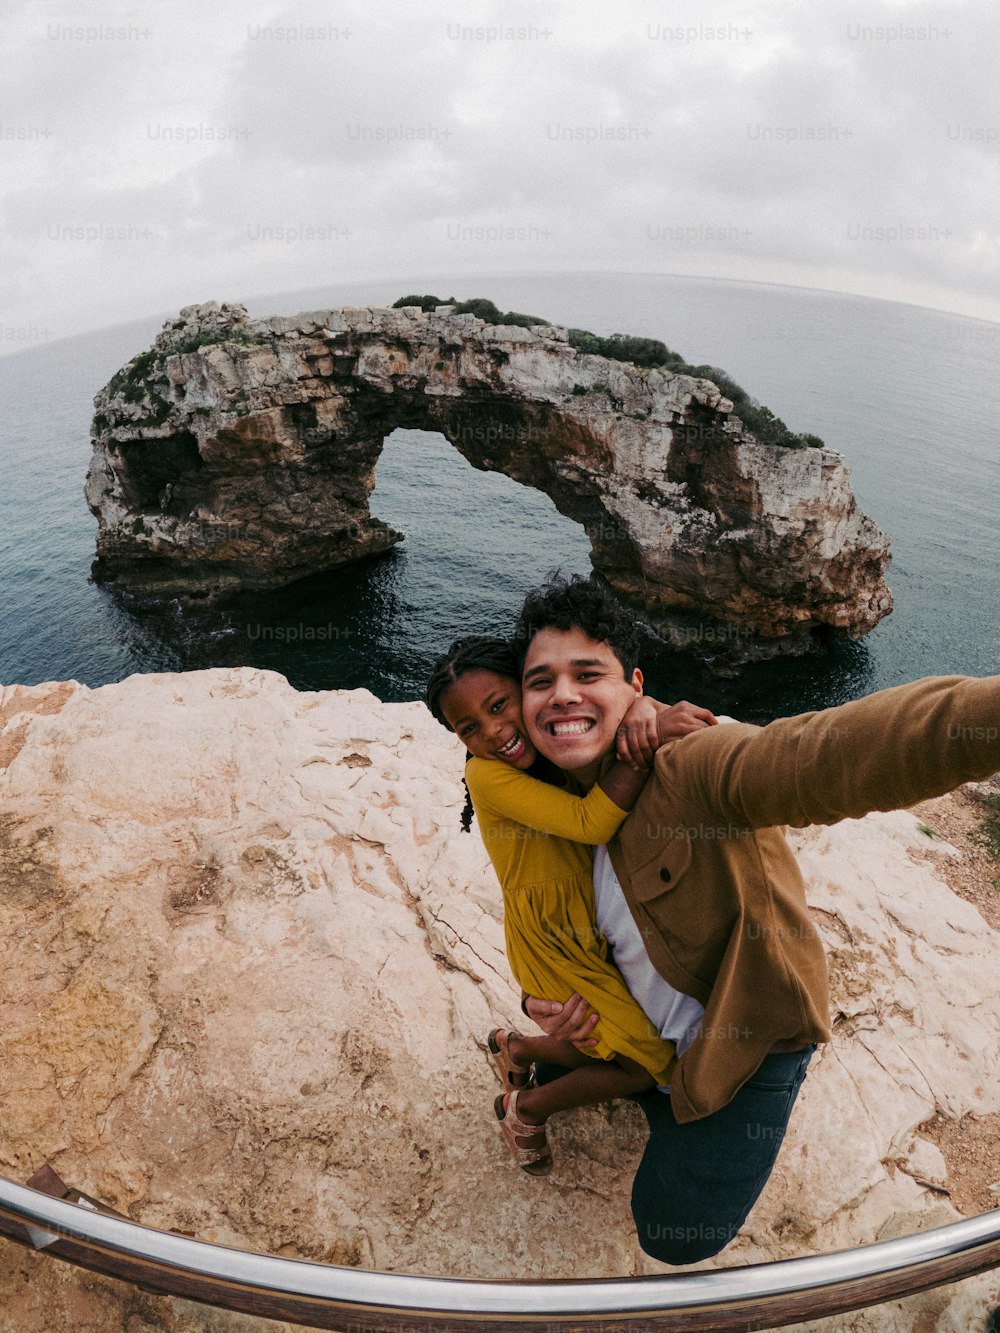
x=240 y=453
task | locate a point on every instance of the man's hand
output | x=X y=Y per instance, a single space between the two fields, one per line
x=573 y=1021
x=649 y=724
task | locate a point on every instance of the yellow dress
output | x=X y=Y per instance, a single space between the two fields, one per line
x=539 y=839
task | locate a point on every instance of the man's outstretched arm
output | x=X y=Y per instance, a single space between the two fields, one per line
x=883 y=752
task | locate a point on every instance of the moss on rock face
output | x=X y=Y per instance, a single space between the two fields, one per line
x=760 y=421
x=988 y=833
x=212 y=337
x=129 y=380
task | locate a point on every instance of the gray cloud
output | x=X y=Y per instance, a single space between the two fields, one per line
x=165 y=154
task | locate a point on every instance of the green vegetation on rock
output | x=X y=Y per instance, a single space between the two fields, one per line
x=623 y=347
x=478 y=306
x=137 y=381
x=650 y=353
x=134 y=383
x=212 y=338
x=988 y=833
x=129 y=381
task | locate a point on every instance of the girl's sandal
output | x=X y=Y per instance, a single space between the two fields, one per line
x=511 y=1074
x=533 y=1156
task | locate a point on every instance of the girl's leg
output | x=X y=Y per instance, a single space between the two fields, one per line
x=589 y=1082
x=587 y=1085
x=526 y=1050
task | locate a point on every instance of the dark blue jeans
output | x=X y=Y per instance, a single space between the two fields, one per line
x=697 y=1182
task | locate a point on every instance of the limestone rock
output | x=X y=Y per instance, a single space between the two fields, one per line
x=247 y=962
x=983 y=791
x=240 y=453
x=925 y=1163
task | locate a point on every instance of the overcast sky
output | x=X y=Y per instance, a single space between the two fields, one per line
x=178 y=150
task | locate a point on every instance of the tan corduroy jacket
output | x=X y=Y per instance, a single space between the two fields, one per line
x=714 y=887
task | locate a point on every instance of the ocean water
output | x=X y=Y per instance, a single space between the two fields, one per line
x=911 y=397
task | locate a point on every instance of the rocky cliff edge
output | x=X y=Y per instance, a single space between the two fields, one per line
x=247 y=962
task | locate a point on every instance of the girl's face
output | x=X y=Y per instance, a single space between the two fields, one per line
x=483 y=708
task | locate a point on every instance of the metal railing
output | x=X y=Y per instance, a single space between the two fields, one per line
x=358 y=1301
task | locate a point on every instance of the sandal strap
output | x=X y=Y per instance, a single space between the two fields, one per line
x=498 y=1049
x=513 y=1128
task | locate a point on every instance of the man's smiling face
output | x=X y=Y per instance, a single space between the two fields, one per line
x=575 y=693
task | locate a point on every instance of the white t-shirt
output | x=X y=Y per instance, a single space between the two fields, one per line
x=677 y=1016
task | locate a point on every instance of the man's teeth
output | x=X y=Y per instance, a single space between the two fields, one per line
x=570 y=728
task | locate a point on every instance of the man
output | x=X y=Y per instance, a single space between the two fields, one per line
x=701 y=898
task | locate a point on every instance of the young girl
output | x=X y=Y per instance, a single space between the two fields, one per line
x=539 y=839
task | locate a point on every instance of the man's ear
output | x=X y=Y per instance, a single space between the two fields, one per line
x=636 y=681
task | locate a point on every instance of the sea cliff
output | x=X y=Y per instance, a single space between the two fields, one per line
x=240 y=453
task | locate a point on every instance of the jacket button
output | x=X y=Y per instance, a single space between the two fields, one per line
x=665 y=875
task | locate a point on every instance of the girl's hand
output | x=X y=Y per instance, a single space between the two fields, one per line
x=648 y=724
x=636 y=740
x=681 y=719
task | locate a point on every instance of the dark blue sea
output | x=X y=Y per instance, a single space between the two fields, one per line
x=910 y=396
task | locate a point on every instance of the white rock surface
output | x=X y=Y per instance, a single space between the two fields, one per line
x=247 y=961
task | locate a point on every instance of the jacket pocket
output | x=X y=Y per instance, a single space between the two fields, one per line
x=663 y=872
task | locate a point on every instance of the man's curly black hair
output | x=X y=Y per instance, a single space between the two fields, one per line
x=579 y=603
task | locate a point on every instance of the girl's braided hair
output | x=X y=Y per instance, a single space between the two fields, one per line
x=477 y=653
